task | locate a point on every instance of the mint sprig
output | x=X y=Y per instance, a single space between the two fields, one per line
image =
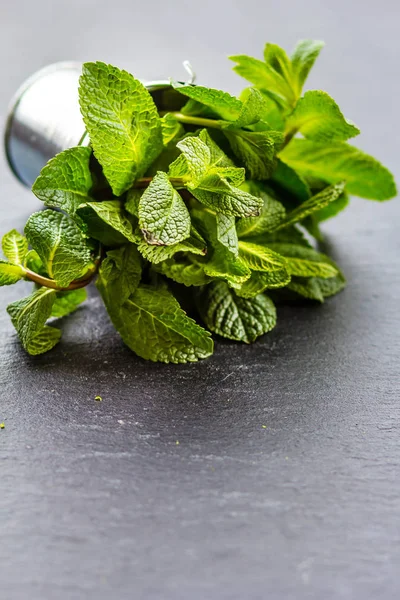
x=216 y=202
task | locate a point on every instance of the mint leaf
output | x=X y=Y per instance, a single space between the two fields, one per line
x=256 y=150
x=10 y=273
x=171 y=129
x=316 y=203
x=272 y=214
x=260 y=281
x=221 y=103
x=120 y=275
x=226 y=232
x=151 y=322
x=66 y=181
x=122 y=121
x=318 y=117
x=98 y=229
x=332 y=209
x=305 y=262
x=184 y=272
x=307 y=287
x=254 y=107
x=113 y=214
x=29 y=316
x=163 y=216
x=194 y=244
x=363 y=174
x=303 y=58
x=233 y=317
x=34 y=263
x=260 y=258
x=15 y=247
x=234 y=202
x=67 y=302
x=65 y=252
x=291 y=188
x=132 y=201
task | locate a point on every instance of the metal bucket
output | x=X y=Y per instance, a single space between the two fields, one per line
x=44 y=117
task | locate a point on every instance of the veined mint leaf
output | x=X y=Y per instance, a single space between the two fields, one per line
x=318 y=117
x=15 y=247
x=171 y=129
x=363 y=174
x=34 y=263
x=122 y=121
x=98 y=229
x=303 y=58
x=66 y=181
x=328 y=195
x=132 y=201
x=305 y=262
x=113 y=214
x=235 y=202
x=194 y=244
x=256 y=150
x=153 y=325
x=272 y=214
x=29 y=316
x=233 y=317
x=65 y=252
x=307 y=287
x=120 y=275
x=184 y=272
x=163 y=216
x=221 y=103
x=291 y=188
x=226 y=232
x=10 y=273
x=260 y=258
x=254 y=107
x=332 y=209
x=67 y=302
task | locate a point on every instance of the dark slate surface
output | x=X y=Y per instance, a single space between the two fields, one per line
x=97 y=500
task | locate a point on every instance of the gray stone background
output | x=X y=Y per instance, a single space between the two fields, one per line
x=96 y=499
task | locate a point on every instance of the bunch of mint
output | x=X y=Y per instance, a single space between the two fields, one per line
x=193 y=199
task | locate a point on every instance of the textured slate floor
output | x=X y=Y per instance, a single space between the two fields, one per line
x=97 y=500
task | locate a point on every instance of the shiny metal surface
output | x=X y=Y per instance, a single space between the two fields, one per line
x=44 y=117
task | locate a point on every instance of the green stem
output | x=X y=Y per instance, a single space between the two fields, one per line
x=200 y=121
x=75 y=285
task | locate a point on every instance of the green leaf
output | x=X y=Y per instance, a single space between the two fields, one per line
x=256 y=150
x=363 y=174
x=272 y=213
x=163 y=216
x=66 y=181
x=226 y=232
x=29 y=316
x=261 y=281
x=303 y=58
x=151 y=322
x=34 y=263
x=64 y=251
x=318 y=117
x=332 y=209
x=221 y=103
x=132 y=201
x=67 y=302
x=122 y=121
x=307 y=287
x=184 y=272
x=171 y=129
x=260 y=258
x=254 y=107
x=233 y=317
x=194 y=244
x=95 y=227
x=236 y=202
x=120 y=275
x=15 y=247
x=291 y=188
x=113 y=214
x=305 y=262
x=10 y=273
x=316 y=203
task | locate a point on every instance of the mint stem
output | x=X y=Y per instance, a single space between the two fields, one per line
x=50 y=283
x=200 y=121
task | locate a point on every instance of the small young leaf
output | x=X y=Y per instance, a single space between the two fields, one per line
x=10 y=273
x=163 y=216
x=233 y=317
x=272 y=214
x=303 y=58
x=15 y=247
x=260 y=281
x=65 y=252
x=260 y=258
x=363 y=174
x=328 y=195
x=29 y=316
x=171 y=129
x=66 y=181
x=318 y=117
x=67 y=302
x=122 y=121
x=305 y=262
x=194 y=244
